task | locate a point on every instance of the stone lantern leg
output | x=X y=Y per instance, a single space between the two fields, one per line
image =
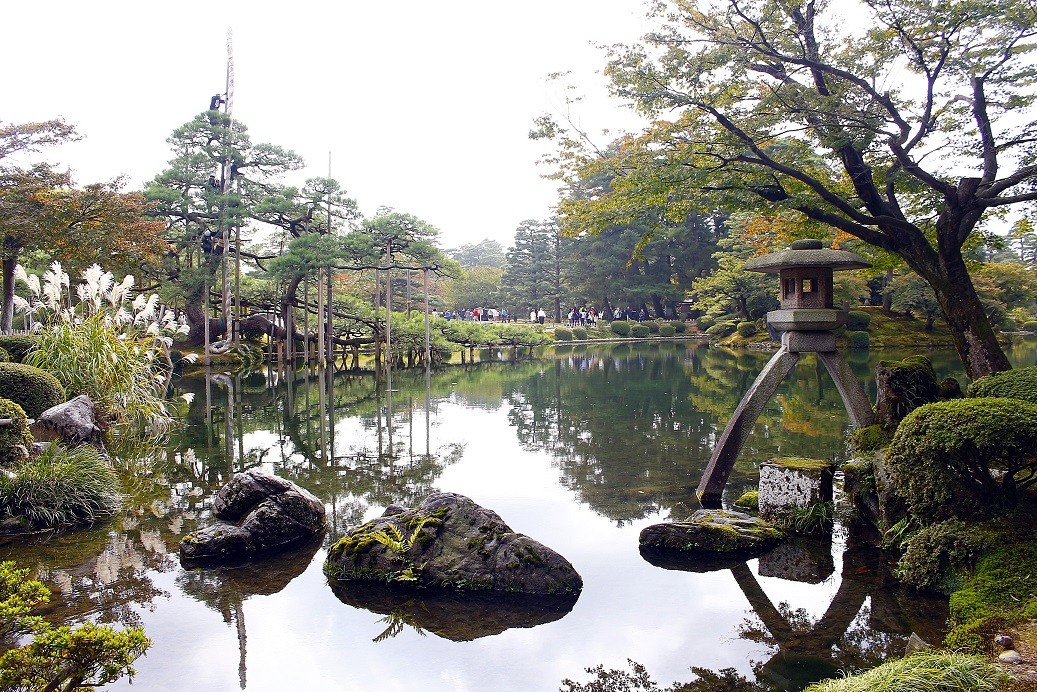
x=806 y=317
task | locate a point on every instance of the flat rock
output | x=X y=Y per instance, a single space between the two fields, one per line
x=257 y=513
x=448 y=541
x=713 y=531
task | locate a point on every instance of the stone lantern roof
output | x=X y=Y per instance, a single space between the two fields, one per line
x=806 y=253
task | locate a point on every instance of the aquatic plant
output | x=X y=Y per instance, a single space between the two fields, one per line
x=922 y=672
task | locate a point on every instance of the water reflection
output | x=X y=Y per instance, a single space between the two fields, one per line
x=578 y=449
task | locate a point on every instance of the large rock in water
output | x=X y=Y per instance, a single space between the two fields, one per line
x=449 y=541
x=257 y=513
x=711 y=532
x=72 y=422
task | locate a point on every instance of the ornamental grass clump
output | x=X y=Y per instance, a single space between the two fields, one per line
x=922 y=672
x=102 y=344
x=60 y=487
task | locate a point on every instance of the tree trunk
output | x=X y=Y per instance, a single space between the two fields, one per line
x=7 y=316
x=657 y=306
x=974 y=337
x=887 y=294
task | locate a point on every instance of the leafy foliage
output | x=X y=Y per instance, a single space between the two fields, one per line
x=1020 y=383
x=67 y=658
x=964 y=457
x=935 y=556
x=15 y=439
x=32 y=388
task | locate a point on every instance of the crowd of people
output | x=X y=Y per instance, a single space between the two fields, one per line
x=578 y=316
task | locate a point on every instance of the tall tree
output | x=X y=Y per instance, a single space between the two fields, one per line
x=530 y=280
x=906 y=131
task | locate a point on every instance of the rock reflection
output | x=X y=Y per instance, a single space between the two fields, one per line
x=867 y=621
x=451 y=615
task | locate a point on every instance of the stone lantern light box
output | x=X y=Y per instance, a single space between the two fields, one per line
x=806 y=319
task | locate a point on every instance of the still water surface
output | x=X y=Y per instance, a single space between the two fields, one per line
x=579 y=449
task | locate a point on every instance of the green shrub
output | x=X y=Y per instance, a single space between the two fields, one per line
x=5 y=357
x=746 y=329
x=33 y=389
x=858 y=339
x=721 y=329
x=704 y=323
x=579 y=333
x=1020 y=383
x=563 y=334
x=869 y=439
x=922 y=672
x=679 y=326
x=639 y=331
x=858 y=321
x=17 y=345
x=653 y=326
x=935 y=557
x=15 y=439
x=58 y=658
x=620 y=327
x=964 y=457
x=666 y=330
x=1030 y=326
x=60 y=487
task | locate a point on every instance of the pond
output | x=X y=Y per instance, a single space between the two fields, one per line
x=579 y=449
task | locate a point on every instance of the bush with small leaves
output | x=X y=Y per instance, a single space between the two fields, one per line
x=964 y=457
x=5 y=357
x=563 y=334
x=858 y=339
x=1020 y=383
x=858 y=321
x=653 y=326
x=1030 y=326
x=639 y=331
x=746 y=329
x=935 y=556
x=33 y=389
x=679 y=326
x=15 y=438
x=721 y=329
x=17 y=345
x=666 y=330
x=704 y=323
x=579 y=333
x=620 y=327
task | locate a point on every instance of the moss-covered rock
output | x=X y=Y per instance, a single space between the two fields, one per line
x=749 y=501
x=5 y=356
x=33 y=389
x=1020 y=383
x=448 y=541
x=713 y=531
x=964 y=458
x=15 y=439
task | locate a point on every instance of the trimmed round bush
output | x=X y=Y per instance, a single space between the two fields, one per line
x=620 y=327
x=639 y=331
x=33 y=389
x=563 y=334
x=579 y=333
x=1020 y=383
x=964 y=458
x=15 y=439
x=721 y=329
x=746 y=329
x=858 y=321
x=858 y=339
x=704 y=323
x=653 y=326
x=679 y=326
x=1030 y=326
x=666 y=330
x=62 y=486
x=17 y=345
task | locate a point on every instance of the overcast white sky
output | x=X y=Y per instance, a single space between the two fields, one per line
x=423 y=106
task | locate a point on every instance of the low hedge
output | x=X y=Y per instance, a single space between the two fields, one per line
x=620 y=327
x=640 y=331
x=721 y=329
x=563 y=334
x=17 y=345
x=15 y=435
x=858 y=321
x=1030 y=326
x=33 y=389
x=1020 y=383
x=679 y=326
x=579 y=333
x=858 y=339
x=746 y=329
x=666 y=330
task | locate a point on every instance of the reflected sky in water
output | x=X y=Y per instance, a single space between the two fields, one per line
x=579 y=450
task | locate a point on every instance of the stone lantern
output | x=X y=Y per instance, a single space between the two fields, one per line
x=806 y=318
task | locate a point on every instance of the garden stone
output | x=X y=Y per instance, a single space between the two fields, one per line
x=450 y=541
x=801 y=558
x=1010 y=656
x=793 y=483
x=713 y=531
x=258 y=513
x=72 y=422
